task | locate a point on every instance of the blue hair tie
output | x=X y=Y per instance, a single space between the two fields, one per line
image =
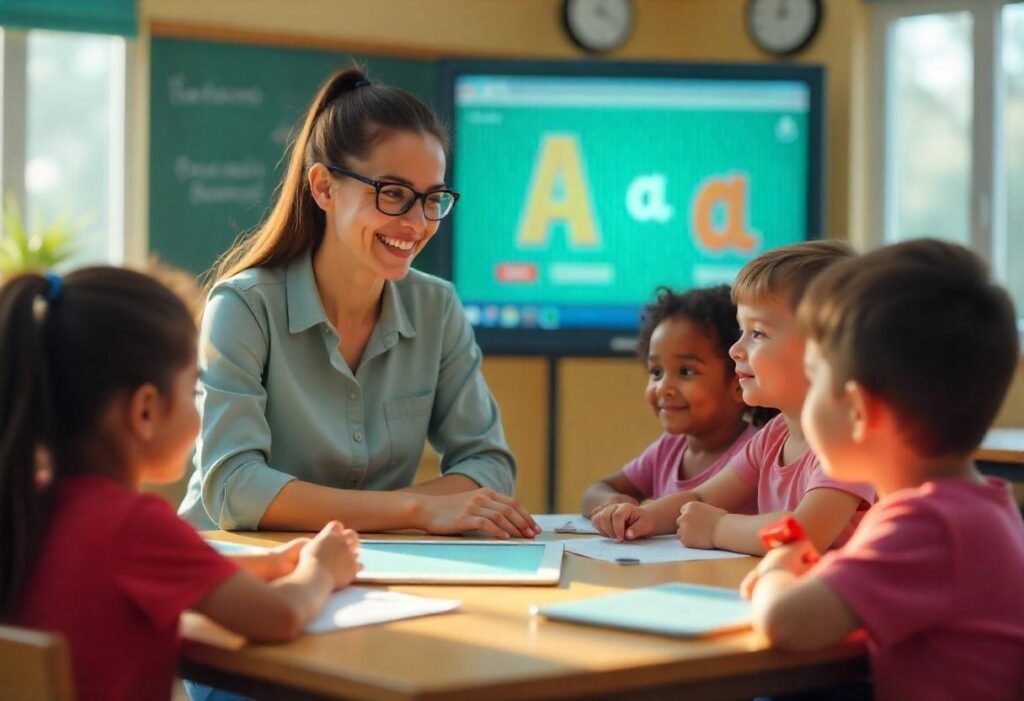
x=54 y=288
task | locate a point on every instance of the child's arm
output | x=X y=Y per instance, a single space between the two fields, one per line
x=279 y=610
x=276 y=562
x=627 y=522
x=822 y=512
x=613 y=489
x=792 y=611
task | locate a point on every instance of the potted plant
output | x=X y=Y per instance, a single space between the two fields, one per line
x=42 y=246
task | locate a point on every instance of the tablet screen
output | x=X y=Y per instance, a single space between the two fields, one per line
x=451 y=558
x=402 y=560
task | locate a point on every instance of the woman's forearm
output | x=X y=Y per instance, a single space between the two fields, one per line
x=303 y=506
x=446 y=484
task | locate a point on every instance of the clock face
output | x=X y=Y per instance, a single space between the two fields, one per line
x=783 y=26
x=598 y=25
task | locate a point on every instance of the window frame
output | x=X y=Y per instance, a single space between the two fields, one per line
x=987 y=191
x=14 y=133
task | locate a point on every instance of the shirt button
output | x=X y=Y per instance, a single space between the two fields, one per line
x=358 y=437
x=353 y=396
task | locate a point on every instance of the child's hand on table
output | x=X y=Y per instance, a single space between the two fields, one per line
x=612 y=501
x=790 y=551
x=336 y=549
x=697 y=522
x=624 y=522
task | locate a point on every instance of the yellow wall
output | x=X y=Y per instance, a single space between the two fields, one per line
x=602 y=419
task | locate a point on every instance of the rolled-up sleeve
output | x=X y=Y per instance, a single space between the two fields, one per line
x=465 y=427
x=234 y=446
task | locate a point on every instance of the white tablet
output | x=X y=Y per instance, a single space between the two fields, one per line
x=460 y=562
x=686 y=610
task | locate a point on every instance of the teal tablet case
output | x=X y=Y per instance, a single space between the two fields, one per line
x=684 y=610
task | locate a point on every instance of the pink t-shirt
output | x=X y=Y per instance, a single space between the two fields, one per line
x=934 y=573
x=782 y=487
x=656 y=472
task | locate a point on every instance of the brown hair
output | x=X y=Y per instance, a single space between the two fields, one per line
x=921 y=325
x=784 y=273
x=348 y=116
x=67 y=348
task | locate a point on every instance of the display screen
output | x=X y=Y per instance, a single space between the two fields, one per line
x=581 y=194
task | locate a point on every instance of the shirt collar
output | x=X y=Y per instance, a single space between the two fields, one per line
x=306 y=309
x=393 y=315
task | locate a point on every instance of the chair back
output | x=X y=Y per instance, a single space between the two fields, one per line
x=34 y=666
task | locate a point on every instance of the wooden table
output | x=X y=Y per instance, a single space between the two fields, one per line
x=494 y=649
x=1003 y=445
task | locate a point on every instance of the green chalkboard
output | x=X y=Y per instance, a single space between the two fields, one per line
x=221 y=117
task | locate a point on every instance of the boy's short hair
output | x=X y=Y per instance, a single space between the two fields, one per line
x=784 y=273
x=921 y=325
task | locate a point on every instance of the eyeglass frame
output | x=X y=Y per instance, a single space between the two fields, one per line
x=379 y=184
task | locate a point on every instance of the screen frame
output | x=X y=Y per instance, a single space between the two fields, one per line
x=548 y=572
x=606 y=342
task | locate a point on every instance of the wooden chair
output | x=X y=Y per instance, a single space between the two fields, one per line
x=34 y=666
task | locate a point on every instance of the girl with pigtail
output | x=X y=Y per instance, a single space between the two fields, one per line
x=97 y=389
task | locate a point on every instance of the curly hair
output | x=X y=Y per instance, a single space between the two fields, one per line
x=714 y=310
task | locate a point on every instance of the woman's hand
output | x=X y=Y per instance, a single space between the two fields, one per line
x=476 y=510
x=335 y=549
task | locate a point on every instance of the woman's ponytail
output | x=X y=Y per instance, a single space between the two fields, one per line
x=295 y=222
x=346 y=118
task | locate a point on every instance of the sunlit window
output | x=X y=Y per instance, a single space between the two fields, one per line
x=72 y=113
x=930 y=150
x=1013 y=150
x=73 y=123
x=945 y=102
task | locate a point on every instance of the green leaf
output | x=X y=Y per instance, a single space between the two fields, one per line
x=41 y=246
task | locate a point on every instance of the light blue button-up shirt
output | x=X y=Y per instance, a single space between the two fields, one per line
x=279 y=401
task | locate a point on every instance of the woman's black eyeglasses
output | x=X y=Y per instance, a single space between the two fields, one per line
x=395 y=199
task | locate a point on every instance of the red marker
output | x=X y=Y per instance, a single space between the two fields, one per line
x=783 y=532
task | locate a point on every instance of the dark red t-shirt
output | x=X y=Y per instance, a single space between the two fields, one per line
x=114 y=573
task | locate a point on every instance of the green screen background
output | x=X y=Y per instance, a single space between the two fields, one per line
x=495 y=161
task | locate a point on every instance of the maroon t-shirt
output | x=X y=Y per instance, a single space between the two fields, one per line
x=114 y=573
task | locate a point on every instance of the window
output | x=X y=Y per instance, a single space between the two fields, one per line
x=64 y=134
x=950 y=92
x=1013 y=150
x=930 y=143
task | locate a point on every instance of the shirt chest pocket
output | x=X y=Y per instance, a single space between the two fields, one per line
x=408 y=420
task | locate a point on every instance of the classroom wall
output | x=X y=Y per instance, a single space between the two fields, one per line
x=601 y=416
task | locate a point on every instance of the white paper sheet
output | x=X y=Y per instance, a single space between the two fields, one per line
x=665 y=548
x=352 y=607
x=565 y=523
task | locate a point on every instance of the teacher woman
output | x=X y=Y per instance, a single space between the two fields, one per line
x=326 y=363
